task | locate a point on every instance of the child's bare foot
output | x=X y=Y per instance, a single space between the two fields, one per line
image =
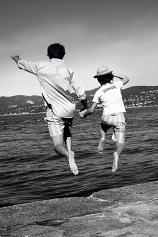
x=115 y=162
x=72 y=164
x=101 y=145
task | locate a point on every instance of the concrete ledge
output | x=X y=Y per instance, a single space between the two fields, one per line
x=126 y=211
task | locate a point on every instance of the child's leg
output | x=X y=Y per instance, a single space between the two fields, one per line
x=120 y=140
x=68 y=141
x=117 y=154
x=119 y=148
x=102 y=140
x=103 y=129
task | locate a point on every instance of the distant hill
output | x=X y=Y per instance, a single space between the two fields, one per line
x=135 y=95
x=132 y=96
x=21 y=104
x=140 y=96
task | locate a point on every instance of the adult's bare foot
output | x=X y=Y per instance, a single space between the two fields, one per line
x=115 y=162
x=72 y=164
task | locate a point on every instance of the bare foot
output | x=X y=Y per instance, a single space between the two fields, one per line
x=101 y=145
x=72 y=164
x=115 y=162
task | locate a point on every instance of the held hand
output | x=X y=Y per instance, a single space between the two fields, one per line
x=81 y=114
x=83 y=108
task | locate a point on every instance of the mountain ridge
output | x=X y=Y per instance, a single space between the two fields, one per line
x=132 y=96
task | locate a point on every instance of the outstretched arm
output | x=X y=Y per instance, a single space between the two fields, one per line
x=124 y=79
x=28 y=66
x=16 y=58
x=89 y=111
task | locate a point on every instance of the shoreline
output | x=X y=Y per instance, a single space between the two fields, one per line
x=130 y=107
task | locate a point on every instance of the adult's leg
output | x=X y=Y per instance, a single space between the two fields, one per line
x=68 y=142
x=68 y=137
x=60 y=148
x=59 y=132
x=58 y=144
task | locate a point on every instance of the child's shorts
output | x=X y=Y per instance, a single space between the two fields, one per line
x=56 y=124
x=117 y=121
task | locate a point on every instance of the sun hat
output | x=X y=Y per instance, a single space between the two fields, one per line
x=102 y=70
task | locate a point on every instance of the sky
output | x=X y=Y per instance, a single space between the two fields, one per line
x=120 y=34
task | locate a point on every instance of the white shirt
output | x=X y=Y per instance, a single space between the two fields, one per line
x=109 y=95
x=56 y=81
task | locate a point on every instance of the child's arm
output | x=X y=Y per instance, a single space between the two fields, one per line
x=84 y=103
x=124 y=79
x=89 y=111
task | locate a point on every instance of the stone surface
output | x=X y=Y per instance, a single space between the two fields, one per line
x=126 y=211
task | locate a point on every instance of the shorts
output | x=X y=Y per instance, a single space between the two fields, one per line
x=117 y=121
x=56 y=124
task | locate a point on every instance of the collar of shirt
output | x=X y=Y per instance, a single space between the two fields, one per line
x=57 y=60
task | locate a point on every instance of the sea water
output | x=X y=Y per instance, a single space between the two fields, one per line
x=30 y=170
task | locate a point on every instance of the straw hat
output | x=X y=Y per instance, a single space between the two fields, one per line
x=102 y=70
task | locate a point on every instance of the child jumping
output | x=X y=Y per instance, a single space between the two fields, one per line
x=109 y=95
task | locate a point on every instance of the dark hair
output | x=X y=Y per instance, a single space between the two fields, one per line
x=105 y=78
x=56 y=51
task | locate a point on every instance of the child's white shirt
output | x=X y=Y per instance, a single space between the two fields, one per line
x=109 y=95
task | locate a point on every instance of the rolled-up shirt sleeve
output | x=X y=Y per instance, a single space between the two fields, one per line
x=96 y=98
x=78 y=86
x=31 y=67
x=119 y=84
